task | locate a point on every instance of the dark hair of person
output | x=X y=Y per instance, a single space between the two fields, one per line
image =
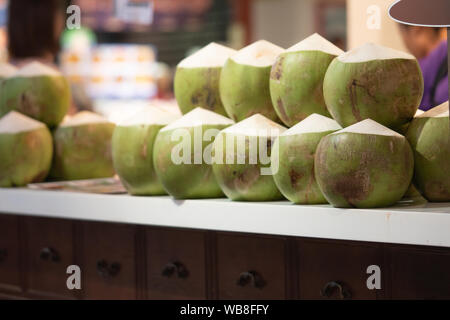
x=32 y=27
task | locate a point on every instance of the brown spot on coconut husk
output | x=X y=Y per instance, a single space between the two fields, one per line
x=27 y=106
x=277 y=70
x=294 y=177
x=354 y=187
x=243 y=180
x=281 y=109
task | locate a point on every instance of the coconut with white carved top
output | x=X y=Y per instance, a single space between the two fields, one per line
x=242 y=160
x=182 y=155
x=197 y=78
x=244 y=82
x=25 y=150
x=429 y=135
x=37 y=91
x=82 y=148
x=365 y=165
x=7 y=70
x=132 y=150
x=373 y=82
x=294 y=150
x=296 y=80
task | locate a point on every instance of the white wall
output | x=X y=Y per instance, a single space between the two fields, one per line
x=358 y=32
x=283 y=22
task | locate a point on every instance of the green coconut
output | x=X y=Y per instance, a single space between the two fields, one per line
x=404 y=128
x=82 y=148
x=296 y=80
x=244 y=82
x=132 y=150
x=366 y=165
x=25 y=150
x=197 y=78
x=429 y=136
x=182 y=155
x=373 y=82
x=294 y=152
x=6 y=70
x=37 y=91
x=242 y=160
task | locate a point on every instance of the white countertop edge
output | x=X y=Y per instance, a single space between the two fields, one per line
x=427 y=225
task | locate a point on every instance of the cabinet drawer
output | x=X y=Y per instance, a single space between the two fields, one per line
x=337 y=270
x=49 y=253
x=9 y=254
x=109 y=267
x=175 y=264
x=420 y=273
x=251 y=267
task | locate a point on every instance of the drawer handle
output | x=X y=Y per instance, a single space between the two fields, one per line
x=49 y=254
x=106 y=270
x=253 y=278
x=3 y=255
x=332 y=286
x=175 y=268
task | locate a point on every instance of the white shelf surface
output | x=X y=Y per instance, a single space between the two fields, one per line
x=417 y=224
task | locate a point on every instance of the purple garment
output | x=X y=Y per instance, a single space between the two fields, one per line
x=430 y=67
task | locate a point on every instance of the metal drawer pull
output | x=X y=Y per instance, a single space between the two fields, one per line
x=175 y=268
x=106 y=270
x=49 y=254
x=3 y=255
x=330 y=287
x=253 y=278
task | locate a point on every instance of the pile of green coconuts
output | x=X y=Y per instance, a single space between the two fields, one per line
x=311 y=124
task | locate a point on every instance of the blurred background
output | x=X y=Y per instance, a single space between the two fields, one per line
x=126 y=51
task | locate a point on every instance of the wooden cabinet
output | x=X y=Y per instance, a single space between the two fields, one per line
x=419 y=273
x=10 y=280
x=175 y=264
x=49 y=251
x=109 y=261
x=135 y=262
x=337 y=270
x=251 y=267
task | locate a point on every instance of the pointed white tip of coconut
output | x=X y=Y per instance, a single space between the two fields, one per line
x=150 y=116
x=316 y=42
x=440 y=111
x=36 y=69
x=198 y=117
x=210 y=56
x=7 y=70
x=83 y=118
x=15 y=122
x=419 y=113
x=256 y=125
x=371 y=51
x=312 y=124
x=370 y=127
x=259 y=54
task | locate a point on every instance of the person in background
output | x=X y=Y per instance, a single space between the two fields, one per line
x=429 y=46
x=34 y=29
